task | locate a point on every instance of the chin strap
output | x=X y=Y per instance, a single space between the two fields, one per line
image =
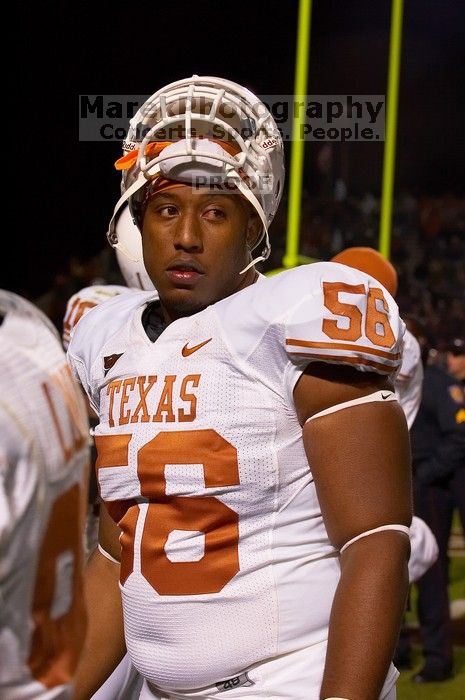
x=252 y=263
x=247 y=194
x=136 y=185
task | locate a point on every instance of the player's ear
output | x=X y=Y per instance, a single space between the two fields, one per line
x=254 y=226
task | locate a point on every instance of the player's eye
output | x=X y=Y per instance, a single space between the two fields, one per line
x=214 y=213
x=167 y=210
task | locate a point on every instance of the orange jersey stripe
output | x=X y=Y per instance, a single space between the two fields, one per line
x=385 y=369
x=344 y=346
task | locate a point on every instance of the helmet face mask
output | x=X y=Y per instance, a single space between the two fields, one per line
x=208 y=132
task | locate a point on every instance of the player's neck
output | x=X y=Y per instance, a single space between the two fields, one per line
x=171 y=313
x=248 y=278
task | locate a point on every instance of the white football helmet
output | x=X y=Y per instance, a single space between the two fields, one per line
x=129 y=252
x=206 y=131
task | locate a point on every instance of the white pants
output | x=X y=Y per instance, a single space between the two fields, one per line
x=293 y=676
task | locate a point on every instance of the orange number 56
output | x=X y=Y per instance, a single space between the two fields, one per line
x=376 y=323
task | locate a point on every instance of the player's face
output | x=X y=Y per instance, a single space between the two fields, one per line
x=195 y=245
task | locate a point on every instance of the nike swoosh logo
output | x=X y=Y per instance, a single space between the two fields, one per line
x=385 y=396
x=188 y=351
x=109 y=361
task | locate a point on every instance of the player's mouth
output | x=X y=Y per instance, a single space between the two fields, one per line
x=184 y=272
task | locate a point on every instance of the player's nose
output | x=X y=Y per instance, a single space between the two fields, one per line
x=188 y=234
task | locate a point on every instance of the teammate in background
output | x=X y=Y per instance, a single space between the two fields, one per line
x=44 y=464
x=252 y=455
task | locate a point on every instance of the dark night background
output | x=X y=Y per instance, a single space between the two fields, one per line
x=125 y=48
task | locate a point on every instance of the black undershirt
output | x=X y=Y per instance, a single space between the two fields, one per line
x=152 y=321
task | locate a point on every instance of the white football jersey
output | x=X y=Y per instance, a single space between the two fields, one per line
x=201 y=462
x=44 y=461
x=85 y=299
x=424 y=549
x=409 y=380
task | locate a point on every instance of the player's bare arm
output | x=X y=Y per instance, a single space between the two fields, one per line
x=360 y=460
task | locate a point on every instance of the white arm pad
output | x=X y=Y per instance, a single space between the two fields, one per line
x=400 y=528
x=108 y=556
x=376 y=396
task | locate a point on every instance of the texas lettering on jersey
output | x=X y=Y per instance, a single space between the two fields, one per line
x=165 y=400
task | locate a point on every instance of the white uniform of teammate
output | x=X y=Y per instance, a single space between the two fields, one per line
x=201 y=461
x=86 y=299
x=409 y=380
x=408 y=388
x=44 y=460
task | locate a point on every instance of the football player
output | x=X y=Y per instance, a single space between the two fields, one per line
x=44 y=464
x=252 y=456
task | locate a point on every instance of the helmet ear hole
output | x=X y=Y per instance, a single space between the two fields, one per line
x=129 y=252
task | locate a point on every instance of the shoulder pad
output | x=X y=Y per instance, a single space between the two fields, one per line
x=85 y=299
x=343 y=316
